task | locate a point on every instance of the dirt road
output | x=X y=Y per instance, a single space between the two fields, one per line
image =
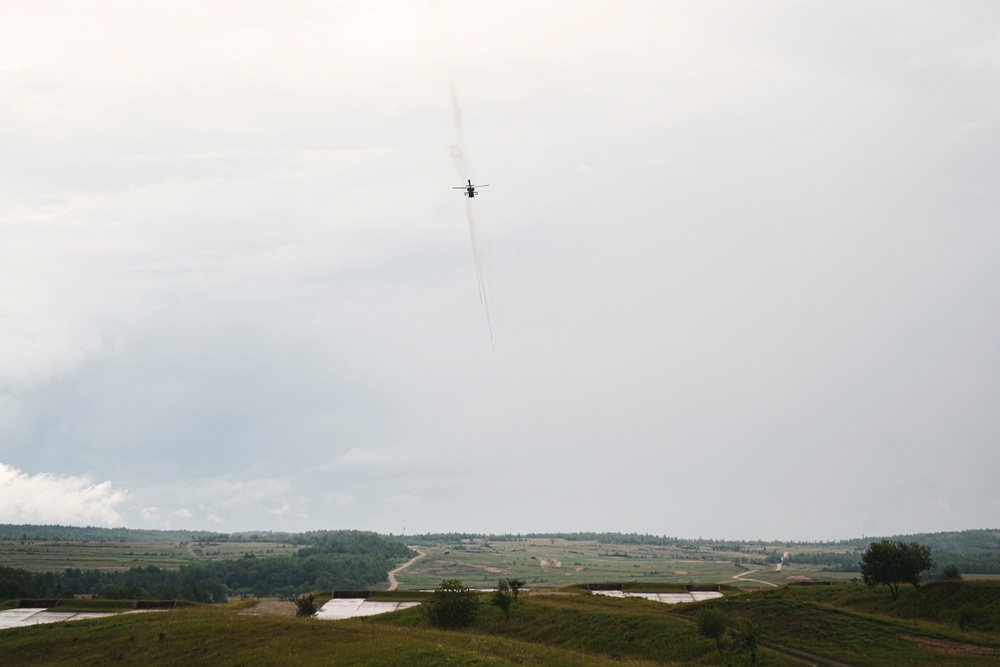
x=392 y=574
x=742 y=576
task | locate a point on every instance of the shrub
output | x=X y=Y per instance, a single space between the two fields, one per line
x=452 y=605
x=306 y=605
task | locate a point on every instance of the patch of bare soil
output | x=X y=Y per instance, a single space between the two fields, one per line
x=949 y=648
x=271 y=608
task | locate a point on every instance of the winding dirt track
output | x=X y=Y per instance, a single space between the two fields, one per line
x=392 y=574
x=741 y=577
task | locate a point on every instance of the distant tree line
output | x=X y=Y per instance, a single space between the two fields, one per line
x=16 y=583
x=831 y=560
x=333 y=559
x=29 y=532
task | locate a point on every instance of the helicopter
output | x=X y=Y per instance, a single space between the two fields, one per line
x=470 y=189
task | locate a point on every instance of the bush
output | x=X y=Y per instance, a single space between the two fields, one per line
x=306 y=605
x=452 y=605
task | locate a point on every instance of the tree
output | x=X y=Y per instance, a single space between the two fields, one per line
x=713 y=624
x=891 y=562
x=950 y=573
x=729 y=635
x=452 y=605
x=502 y=597
x=516 y=585
x=746 y=635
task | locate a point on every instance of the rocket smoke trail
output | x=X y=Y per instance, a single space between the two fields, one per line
x=458 y=157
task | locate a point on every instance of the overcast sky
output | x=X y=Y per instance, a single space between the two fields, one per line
x=741 y=263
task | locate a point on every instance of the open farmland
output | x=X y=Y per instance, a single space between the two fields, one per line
x=551 y=561
x=57 y=555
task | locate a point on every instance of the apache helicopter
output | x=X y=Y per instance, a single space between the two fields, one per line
x=470 y=189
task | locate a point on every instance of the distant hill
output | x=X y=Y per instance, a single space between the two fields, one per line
x=10 y=531
x=972 y=551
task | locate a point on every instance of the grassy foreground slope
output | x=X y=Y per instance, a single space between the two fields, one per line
x=809 y=622
x=848 y=624
x=220 y=636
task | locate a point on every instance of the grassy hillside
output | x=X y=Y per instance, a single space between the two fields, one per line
x=218 y=636
x=849 y=624
x=817 y=621
x=975 y=603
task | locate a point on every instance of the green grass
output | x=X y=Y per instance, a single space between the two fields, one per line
x=938 y=602
x=553 y=562
x=214 y=636
x=848 y=623
x=47 y=556
x=863 y=627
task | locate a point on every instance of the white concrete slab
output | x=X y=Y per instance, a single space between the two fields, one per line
x=84 y=615
x=666 y=598
x=375 y=608
x=341 y=608
x=18 y=618
x=705 y=595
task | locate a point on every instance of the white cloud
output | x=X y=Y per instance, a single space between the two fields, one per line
x=149 y=514
x=286 y=509
x=48 y=498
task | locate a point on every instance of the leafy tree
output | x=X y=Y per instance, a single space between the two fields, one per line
x=713 y=624
x=746 y=635
x=452 y=605
x=516 y=585
x=950 y=573
x=503 y=597
x=729 y=635
x=891 y=562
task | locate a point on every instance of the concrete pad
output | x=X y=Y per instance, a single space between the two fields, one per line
x=341 y=608
x=375 y=608
x=84 y=615
x=19 y=618
x=16 y=618
x=52 y=616
x=705 y=595
x=666 y=598
x=407 y=605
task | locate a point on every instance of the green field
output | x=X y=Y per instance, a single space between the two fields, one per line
x=542 y=562
x=57 y=555
x=546 y=562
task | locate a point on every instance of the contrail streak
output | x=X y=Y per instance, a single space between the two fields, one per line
x=458 y=157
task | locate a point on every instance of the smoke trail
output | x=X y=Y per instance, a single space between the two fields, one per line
x=458 y=157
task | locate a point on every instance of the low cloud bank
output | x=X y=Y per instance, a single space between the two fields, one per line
x=64 y=499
